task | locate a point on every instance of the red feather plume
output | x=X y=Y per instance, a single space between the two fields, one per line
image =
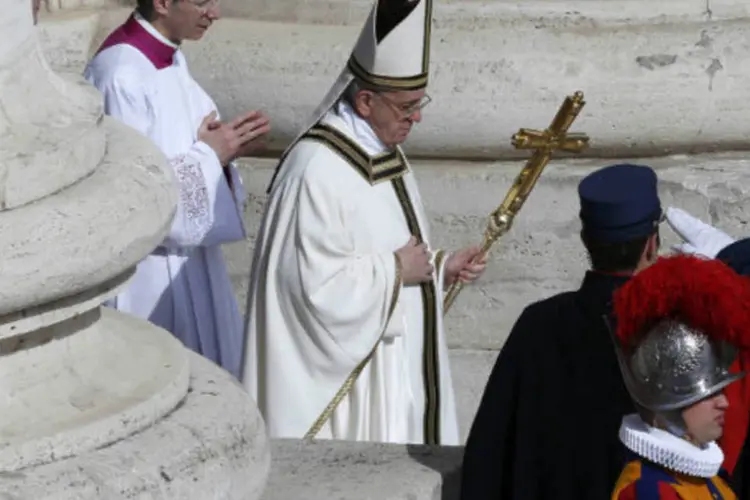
x=704 y=294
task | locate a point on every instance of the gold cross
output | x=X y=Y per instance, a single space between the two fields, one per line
x=546 y=139
x=544 y=142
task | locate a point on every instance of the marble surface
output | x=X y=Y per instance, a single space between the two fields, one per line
x=213 y=446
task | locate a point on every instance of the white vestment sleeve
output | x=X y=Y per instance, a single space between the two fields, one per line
x=350 y=294
x=198 y=171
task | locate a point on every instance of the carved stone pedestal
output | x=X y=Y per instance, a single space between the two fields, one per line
x=96 y=403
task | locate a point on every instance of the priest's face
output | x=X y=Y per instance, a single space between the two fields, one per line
x=187 y=19
x=392 y=114
x=704 y=420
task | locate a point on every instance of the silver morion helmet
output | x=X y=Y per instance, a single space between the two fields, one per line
x=680 y=323
x=674 y=366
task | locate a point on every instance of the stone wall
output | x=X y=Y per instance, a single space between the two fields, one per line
x=659 y=79
x=540 y=256
x=652 y=88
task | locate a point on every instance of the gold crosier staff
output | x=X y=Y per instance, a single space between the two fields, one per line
x=543 y=143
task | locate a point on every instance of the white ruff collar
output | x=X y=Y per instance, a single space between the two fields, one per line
x=669 y=451
x=363 y=132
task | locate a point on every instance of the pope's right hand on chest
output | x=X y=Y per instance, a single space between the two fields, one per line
x=416 y=265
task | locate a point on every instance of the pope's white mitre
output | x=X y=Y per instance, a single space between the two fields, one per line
x=392 y=52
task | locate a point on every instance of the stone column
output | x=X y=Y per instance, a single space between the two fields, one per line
x=83 y=199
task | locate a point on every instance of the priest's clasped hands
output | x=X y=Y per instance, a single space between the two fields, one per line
x=243 y=136
x=416 y=266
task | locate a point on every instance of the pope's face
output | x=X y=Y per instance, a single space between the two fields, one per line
x=189 y=19
x=393 y=114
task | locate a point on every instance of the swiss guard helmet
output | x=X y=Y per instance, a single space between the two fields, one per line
x=678 y=325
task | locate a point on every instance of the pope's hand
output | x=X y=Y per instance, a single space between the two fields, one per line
x=699 y=238
x=415 y=262
x=465 y=265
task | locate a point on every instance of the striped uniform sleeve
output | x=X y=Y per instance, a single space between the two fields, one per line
x=648 y=490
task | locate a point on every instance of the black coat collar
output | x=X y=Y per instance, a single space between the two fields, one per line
x=598 y=288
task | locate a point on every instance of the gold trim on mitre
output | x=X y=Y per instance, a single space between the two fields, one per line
x=399 y=60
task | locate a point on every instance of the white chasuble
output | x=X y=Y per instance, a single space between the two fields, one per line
x=337 y=346
x=183 y=286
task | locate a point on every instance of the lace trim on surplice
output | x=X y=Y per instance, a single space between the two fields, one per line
x=194 y=200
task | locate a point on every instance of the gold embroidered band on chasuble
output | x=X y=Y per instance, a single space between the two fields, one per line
x=374 y=169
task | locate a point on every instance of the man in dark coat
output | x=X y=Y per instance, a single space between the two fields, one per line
x=547 y=426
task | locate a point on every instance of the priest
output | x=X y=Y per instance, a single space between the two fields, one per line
x=183 y=286
x=547 y=425
x=345 y=327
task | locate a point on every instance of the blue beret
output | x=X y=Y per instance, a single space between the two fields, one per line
x=619 y=203
x=737 y=256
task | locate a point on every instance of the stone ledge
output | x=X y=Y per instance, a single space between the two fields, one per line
x=340 y=470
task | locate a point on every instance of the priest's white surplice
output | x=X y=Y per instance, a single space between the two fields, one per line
x=183 y=286
x=326 y=295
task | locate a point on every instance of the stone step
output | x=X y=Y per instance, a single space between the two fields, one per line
x=340 y=470
x=213 y=445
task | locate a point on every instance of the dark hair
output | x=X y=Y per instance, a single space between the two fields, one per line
x=616 y=257
x=146 y=9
